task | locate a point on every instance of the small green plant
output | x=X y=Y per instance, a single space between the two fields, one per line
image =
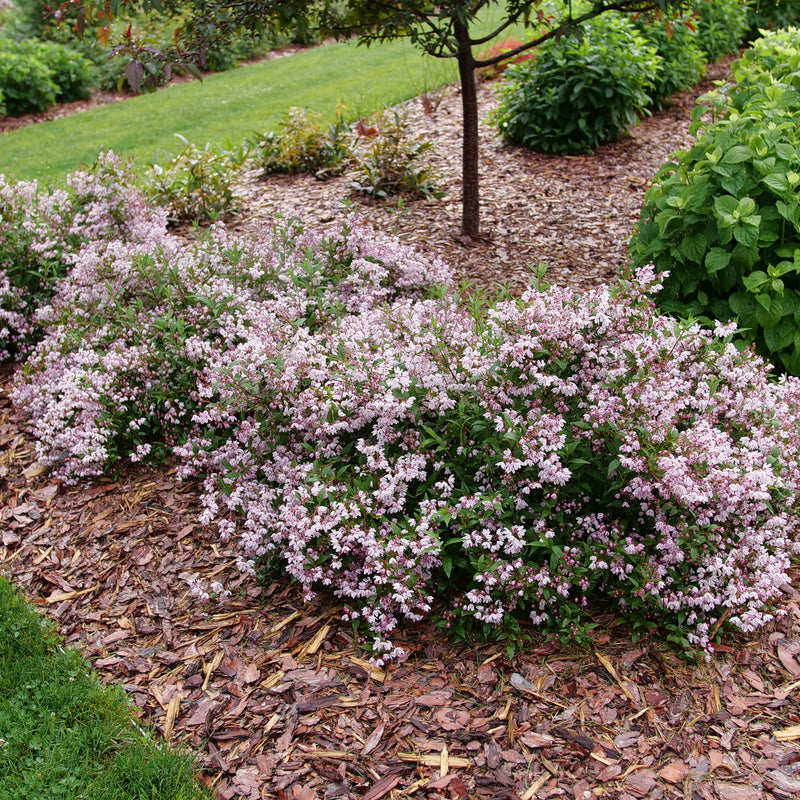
x=65 y=735
x=581 y=90
x=305 y=144
x=724 y=218
x=197 y=185
x=388 y=161
x=675 y=39
x=721 y=26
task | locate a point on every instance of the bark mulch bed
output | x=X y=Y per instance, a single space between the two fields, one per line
x=275 y=695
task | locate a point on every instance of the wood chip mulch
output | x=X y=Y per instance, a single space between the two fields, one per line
x=277 y=698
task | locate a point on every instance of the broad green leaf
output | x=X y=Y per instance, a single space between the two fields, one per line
x=778 y=182
x=755 y=280
x=717 y=259
x=737 y=154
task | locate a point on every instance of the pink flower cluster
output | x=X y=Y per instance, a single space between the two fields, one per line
x=42 y=232
x=385 y=441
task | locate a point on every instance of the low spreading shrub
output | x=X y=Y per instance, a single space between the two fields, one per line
x=43 y=231
x=721 y=26
x=132 y=325
x=545 y=455
x=197 y=185
x=675 y=40
x=360 y=426
x=724 y=218
x=305 y=144
x=579 y=91
x=388 y=161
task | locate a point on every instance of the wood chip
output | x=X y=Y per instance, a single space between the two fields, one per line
x=172 y=714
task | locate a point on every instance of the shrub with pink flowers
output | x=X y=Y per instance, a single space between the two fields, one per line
x=360 y=426
x=42 y=230
x=132 y=325
x=531 y=458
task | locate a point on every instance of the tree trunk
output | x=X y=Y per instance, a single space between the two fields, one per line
x=470 y=204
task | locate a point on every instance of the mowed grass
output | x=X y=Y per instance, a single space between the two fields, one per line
x=233 y=105
x=230 y=105
x=63 y=735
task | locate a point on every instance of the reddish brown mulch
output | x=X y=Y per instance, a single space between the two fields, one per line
x=279 y=701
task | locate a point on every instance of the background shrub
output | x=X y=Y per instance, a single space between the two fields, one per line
x=721 y=26
x=26 y=83
x=675 y=40
x=771 y=15
x=580 y=91
x=724 y=218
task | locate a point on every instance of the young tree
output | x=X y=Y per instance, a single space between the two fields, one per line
x=447 y=29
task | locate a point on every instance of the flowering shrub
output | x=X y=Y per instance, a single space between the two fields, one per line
x=43 y=230
x=534 y=458
x=358 y=424
x=132 y=325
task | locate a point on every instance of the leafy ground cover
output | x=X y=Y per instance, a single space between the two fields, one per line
x=65 y=735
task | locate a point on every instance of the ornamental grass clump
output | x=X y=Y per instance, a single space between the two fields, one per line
x=531 y=459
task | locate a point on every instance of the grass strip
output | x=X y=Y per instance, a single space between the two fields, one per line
x=63 y=735
x=230 y=106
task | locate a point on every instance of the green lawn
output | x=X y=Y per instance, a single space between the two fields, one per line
x=224 y=105
x=65 y=736
x=231 y=105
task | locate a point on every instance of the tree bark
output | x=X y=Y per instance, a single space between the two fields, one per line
x=470 y=203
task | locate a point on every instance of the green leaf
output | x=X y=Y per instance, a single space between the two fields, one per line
x=755 y=280
x=736 y=155
x=779 y=337
x=717 y=259
x=777 y=182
